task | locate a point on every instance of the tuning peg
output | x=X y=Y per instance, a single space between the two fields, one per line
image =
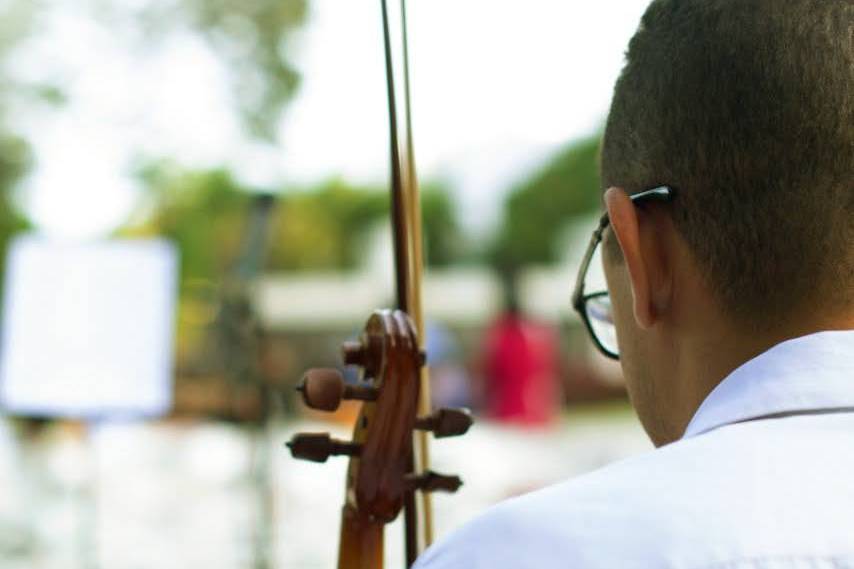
x=324 y=388
x=430 y=481
x=353 y=353
x=446 y=422
x=318 y=447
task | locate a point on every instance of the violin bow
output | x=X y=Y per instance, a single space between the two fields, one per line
x=409 y=263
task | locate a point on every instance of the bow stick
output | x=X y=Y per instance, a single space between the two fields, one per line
x=409 y=262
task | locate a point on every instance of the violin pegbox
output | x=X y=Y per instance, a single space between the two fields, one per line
x=381 y=450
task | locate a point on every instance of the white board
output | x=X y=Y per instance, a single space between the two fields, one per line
x=88 y=328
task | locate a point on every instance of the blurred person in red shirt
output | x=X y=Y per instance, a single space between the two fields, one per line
x=520 y=369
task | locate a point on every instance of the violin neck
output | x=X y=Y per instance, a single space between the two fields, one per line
x=361 y=545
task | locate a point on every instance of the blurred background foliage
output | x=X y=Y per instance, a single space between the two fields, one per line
x=327 y=227
x=251 y=39
x=15 y=160
x=15 y=155
x=337 y=219
x=538 y=209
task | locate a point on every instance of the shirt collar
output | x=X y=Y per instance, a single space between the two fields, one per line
x=814 y=372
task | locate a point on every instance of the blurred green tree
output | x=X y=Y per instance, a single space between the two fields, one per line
x=444 y=241
x=202 y=212
x=321 y=228
x=537 y=211
x=14 y=162
x=15 y=155
x=328 y=227
x=250 y=37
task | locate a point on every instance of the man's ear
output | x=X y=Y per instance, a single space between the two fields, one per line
x=642 y=255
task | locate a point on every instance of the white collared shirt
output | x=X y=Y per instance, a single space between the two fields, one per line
x=762 y=478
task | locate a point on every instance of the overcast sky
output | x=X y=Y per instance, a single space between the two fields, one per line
x=497 y=86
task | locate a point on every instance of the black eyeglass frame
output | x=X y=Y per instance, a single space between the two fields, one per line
x=661 y=194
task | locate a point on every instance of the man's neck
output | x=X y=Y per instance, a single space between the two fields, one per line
x=710 y=358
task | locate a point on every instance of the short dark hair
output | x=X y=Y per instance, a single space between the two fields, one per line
x=746 y=107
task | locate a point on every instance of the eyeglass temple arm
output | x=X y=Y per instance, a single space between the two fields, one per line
x=660 y=193
x=578 y=293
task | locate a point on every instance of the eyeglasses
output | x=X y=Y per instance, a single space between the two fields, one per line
x=595 y=307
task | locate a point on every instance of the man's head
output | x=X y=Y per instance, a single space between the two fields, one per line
x=746 y=108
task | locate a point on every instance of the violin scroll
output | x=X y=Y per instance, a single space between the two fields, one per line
x=381 y=451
